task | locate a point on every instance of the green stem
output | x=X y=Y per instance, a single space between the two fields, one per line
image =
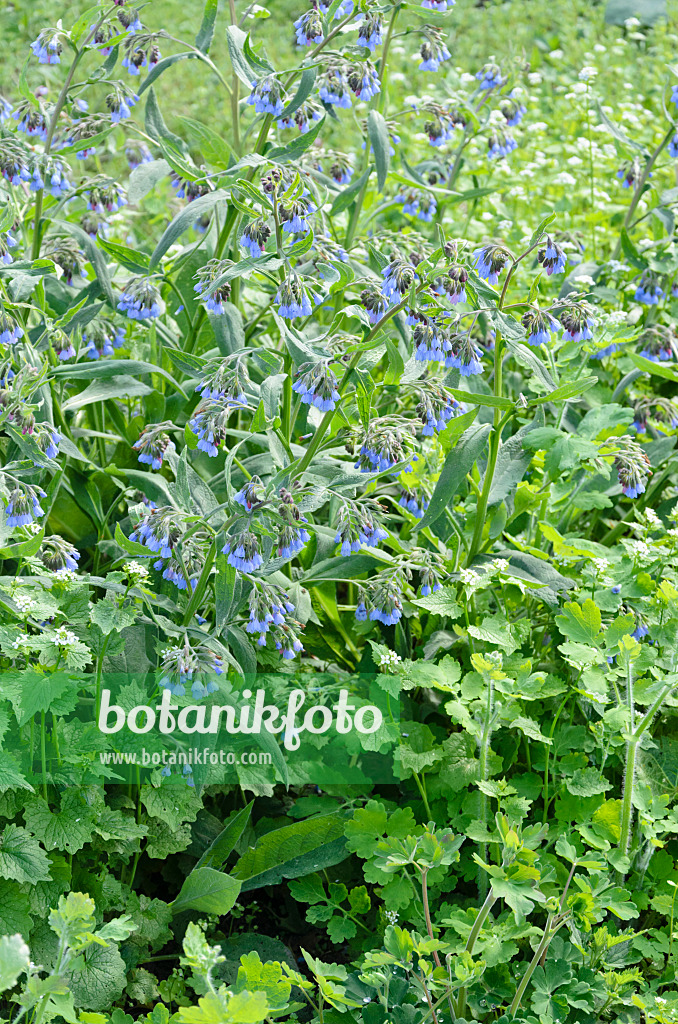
x=548 y=755
x=235 y=92
x=422 y=793
x=43 y=754
x=641 y=184
x=490 y=900
x=541 y=948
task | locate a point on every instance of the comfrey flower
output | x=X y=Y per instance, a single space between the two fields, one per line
x=303 y=117
x=243 y=551
x=141 y=52
x=267 y=96
x=648 y=291
x=539 y=326
x=10 y=331
x=438 y=5
x=6 y=109
x=23 y=505
x=443 y=126
x=512 y=110
x=334 y=88
x=268 y=606
x=433 y=50
x=287 y=642
x=552 y=258
x=431 y=343
x=254 y=237
x=291 y=535
x=62 y=344
x=213 y=295
x=225 y=382
x=375 y=303
x=641 y=630
x=358 y=526
x=7 y=242
x=629 y=173
x=153 y=445
x=435 y=409
x=130 y=20
x=293 y=217
x=489 y=261
x=317 y=385
x=577 y=322
x=500 y=144
x=184 y=572
x=106 y=198
x=140 y=299
x=384 y=446
x=120 y=103
x=250 y=494
x=399 y=275
x=414 y=503
x=47 y=438
x=209 y=423
x=31 y=122
x=67 y=255
x=430 y=582
x=465 y=355
x=657 y=343
x=183 y=665
x=381 y=601
x=369 y=33
x=632 y=465
x=159 y=530
x=47 y=47
x=190 y=190
x=455 y=283
x=419 y=204
x=136 y=154
x=293 y=299
x=58 y=555
x=101 y=338
x=490 y=77
x=673 y=146
x=309 y=28
x=364 y=80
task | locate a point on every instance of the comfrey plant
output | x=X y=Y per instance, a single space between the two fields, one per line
x=308 y=387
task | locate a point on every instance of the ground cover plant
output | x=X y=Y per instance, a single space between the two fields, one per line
x=337 y=344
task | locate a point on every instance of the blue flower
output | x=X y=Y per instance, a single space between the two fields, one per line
x=137 y=153
x=267 y=96
x=648 y=290
x=539 y=327
x=120 y=104
x=577 y=322
x=47 y=47
x=334 y=89
x=370 y=34
x=293 y=299
x=140 y=300
x=6 y=109
x=243 y=552
x=438 y=5
x=489 y=261
x=308 y=28
x=254 y=237
x=153 y=445
x=364 y=81
x=490 y=77
x=500 y=144
x=317 y=386
x=552 y=258
x=23 y=505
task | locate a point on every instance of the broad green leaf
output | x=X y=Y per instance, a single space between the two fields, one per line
x=207 y=891
x=459 y=461
x=380 y=140
x=292 y=851
x=21 y=856
x=218 y=852
x=581 y=623
x=15 y=956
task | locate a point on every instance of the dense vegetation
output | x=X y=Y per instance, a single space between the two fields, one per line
x=338 y=356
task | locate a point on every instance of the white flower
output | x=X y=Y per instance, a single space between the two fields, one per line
x=64 y=638
x=534 y=78
x=556 y=55
x=24 y=603
x=587 y=74
x=631 y=23
x=392 y=916
x=21 y=641
x=469 y=577
x=564 y=179
x=390 y=660
x=585 y=279
x=136 y=570
x=501 y=564
x=601 y=564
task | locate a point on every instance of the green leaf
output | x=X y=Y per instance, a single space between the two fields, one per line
x=477 y=398
x=131 y=259
x=344 y=199
x=539 y=233
x=67 y=829
x=512 y=462
x=613 y=128
x=212 y=146
x=587 y=782
x=293 y=150
x=656 y=369
x=144 y=178
x=218 y=852
x=183 y=221
x=292 y=851
x=581 y=623
x=101 y=390
x=235 y=40
x=14 y=916
x=165 y=63
x=207 y=891
x=203 y=40
x=457 y=464
x=572 y=390
x=380 y=140
x=21 y=856
x=304 y=90
x=98 y=978
x=15 y=956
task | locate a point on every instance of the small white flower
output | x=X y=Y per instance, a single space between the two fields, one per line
x=392 y=916
x=390 y=660
x=24 y=603
x=556 y=55
x=585 y=279
x=630 y=23
x=534 y=78
x=501 y=564
x=469 y=577
x=136 y=570
x=64 y=638
x=21 y=641
x=587 y=74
